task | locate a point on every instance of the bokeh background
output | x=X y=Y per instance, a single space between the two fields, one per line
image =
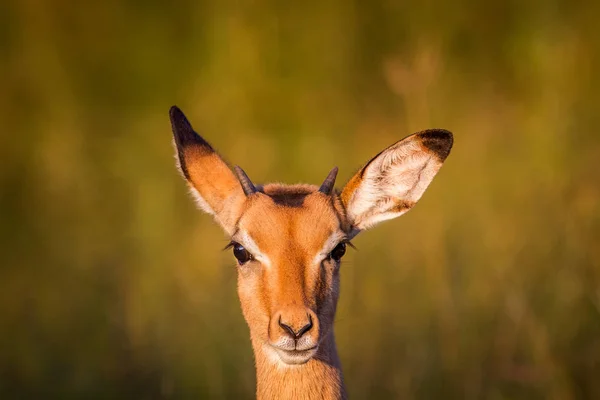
x=112 y=285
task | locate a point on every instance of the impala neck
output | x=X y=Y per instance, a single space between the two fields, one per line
x=319 y=378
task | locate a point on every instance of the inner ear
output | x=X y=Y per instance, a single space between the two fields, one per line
x=392 y=182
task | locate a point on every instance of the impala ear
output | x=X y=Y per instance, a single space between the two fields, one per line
x=213 y=184
x=394 y=180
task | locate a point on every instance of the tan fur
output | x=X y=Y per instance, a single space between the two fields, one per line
x=291 y=284
x=216 y=185
x=319 y=378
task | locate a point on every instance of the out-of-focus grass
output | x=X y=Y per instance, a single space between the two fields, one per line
x=113 y=286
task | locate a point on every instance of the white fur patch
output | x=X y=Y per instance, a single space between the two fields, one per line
x=243 y=238
x=199 y=200
x=328 y=246
x=274 y=358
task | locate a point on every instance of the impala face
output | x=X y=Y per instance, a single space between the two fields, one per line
x=289 y=240
x=288 y=243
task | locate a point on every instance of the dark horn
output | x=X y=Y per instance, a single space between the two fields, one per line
x=329 y=182
x=244 y=181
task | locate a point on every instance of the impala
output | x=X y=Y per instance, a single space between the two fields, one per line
x=288 y=241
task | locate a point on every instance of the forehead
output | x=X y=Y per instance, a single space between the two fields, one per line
x=297 y=216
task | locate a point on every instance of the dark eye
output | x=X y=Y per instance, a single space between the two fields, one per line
x=242 y=255
x=338 y=252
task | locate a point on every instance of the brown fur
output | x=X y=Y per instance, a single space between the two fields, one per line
x=292 y=282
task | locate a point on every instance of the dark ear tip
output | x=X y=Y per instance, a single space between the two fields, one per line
x=178 y=118
x=182 y=129
x=439 y=141
x=174 y=110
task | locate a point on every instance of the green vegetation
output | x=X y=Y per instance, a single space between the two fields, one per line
x=113 y=286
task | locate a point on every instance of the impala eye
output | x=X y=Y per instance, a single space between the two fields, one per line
x=338 y=252
x=242 y=255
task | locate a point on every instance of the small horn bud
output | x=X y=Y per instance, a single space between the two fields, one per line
x=329 y=182
x=246 y=183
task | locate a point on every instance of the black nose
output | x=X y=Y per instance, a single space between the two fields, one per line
x=297 y=334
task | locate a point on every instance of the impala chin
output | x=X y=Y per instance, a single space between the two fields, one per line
x=295 y=357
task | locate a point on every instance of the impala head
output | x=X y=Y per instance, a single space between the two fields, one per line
x=288 y=240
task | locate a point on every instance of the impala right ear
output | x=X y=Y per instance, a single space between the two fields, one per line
x=395 y=179
x=213 y=184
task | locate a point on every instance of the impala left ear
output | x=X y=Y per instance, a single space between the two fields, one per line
x=216 y=188
x=394 y=180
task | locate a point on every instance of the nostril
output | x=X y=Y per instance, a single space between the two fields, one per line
x=287 y=328
x=305 y=328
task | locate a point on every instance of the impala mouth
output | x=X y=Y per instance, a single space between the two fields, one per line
x=295 y=357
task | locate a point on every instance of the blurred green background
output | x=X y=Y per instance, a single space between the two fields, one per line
x=112 y=285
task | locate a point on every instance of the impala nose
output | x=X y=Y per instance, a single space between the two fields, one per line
x=296 y=332
x=294 y=322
